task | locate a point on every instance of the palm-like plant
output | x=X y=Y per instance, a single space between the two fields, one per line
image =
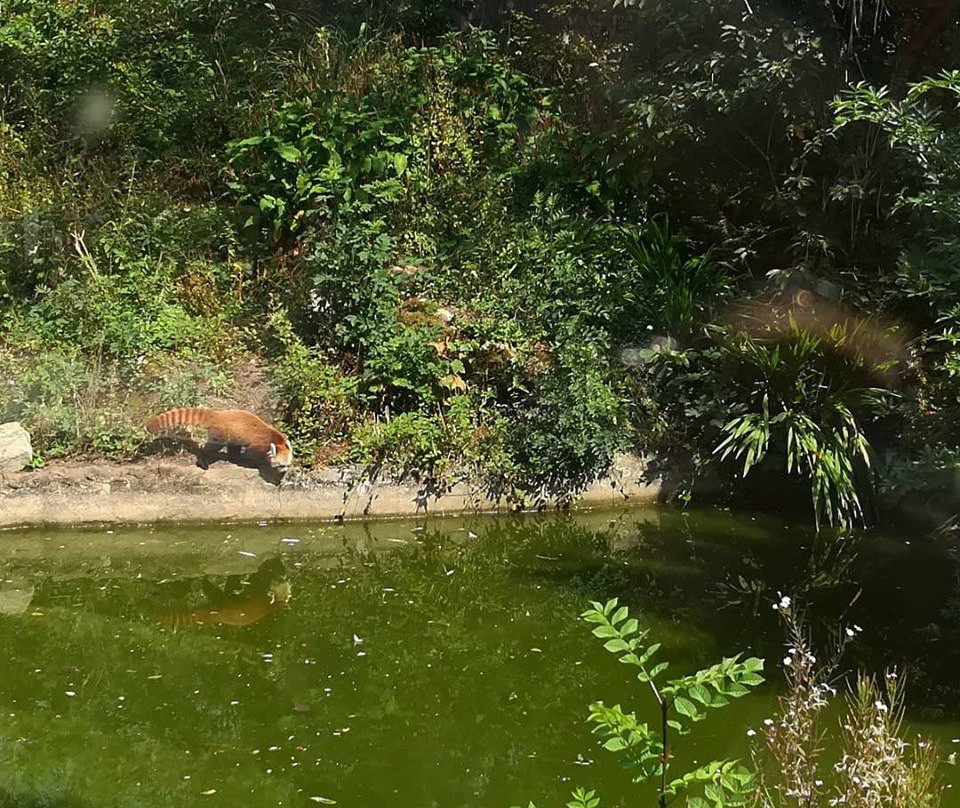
x=805 y=391
x=671 y=287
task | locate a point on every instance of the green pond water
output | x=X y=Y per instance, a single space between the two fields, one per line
x=437 y=662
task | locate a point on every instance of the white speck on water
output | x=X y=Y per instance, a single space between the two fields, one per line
x=247 y=553
x=70 y=693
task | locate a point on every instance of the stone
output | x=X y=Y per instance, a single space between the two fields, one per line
x=15 y=597
x=15 y=449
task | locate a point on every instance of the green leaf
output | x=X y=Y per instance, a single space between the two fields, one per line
x=700 y=693
x=400 y=163
x=650 y=652
x=686 y=707
x=657 y=669
x=289 y=153
x=616 y=645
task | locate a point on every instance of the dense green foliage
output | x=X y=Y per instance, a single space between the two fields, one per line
x=509 y=252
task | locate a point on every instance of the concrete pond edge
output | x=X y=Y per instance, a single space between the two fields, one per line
x=174 y=490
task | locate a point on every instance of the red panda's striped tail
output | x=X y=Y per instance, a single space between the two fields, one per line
x=185 y=416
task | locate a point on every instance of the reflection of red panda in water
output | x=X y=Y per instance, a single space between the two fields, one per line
x=232 y=428
x=232 y=611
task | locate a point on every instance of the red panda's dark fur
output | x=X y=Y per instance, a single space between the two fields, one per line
x=231 y=428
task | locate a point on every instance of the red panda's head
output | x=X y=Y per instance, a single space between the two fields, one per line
x=281 y=454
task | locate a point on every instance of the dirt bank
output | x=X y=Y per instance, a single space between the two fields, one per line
x=176 y=490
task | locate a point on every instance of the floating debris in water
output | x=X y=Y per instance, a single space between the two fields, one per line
x=208 y=792
x=324 y=800
x=357 y=640
x=247 y=553
x=70 y=693
x=290 y=540
x=156 y=676
x=471 y=534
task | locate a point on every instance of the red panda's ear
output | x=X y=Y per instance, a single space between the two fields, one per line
x=273 y=450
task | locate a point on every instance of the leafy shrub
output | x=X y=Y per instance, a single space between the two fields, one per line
x=568 y=436
x=73 y=404
x=318 y=402
x=647 y=749
x=807 y=398
x=876 y=765
x=146 y=76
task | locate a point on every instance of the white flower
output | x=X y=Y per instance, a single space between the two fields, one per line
x=787 y=661
x=751 y=733
x=768 y=722
x=850 y=632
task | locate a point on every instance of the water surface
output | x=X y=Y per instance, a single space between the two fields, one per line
x=437 y=662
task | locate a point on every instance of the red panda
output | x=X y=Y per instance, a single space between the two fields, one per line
x=232 y=428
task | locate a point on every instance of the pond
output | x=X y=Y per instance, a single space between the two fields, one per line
x=438 y=662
